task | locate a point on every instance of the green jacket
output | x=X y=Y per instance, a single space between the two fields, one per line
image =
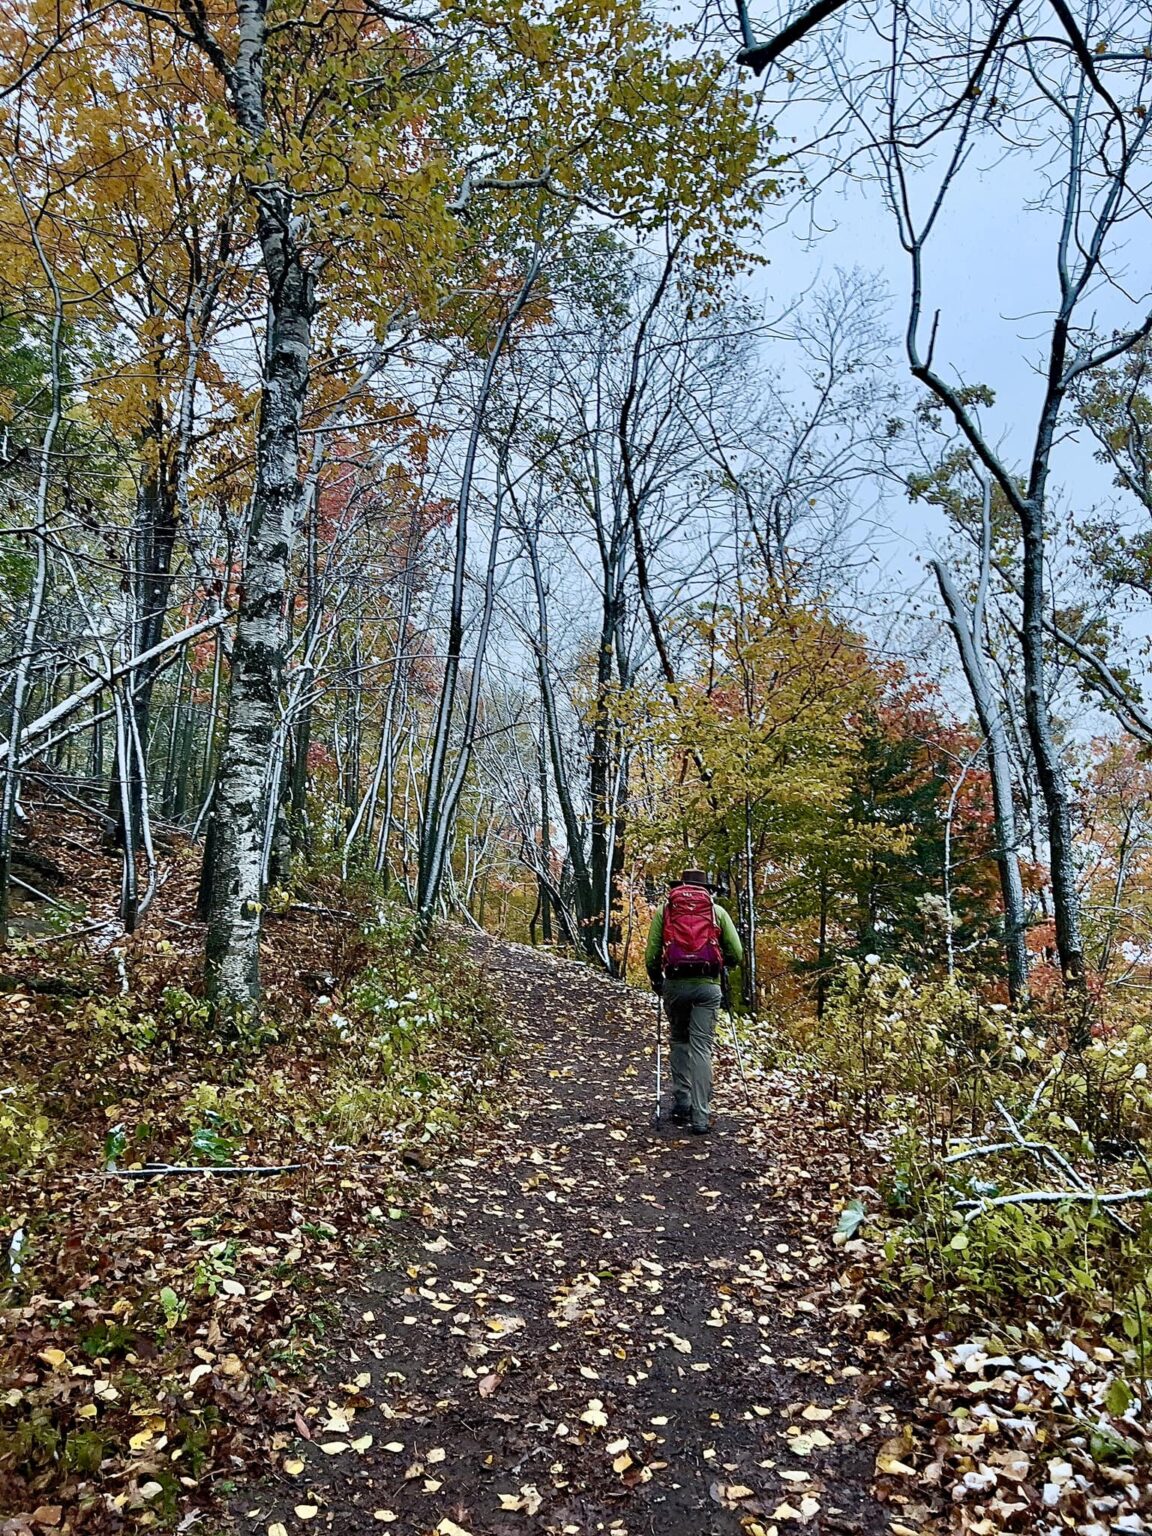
x=730 y=944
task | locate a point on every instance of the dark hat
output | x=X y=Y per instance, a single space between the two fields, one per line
x=694 y=877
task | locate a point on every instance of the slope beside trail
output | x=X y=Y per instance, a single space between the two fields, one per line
x=601 y=1327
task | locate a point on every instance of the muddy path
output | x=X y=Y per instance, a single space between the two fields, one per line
x=597 y=1326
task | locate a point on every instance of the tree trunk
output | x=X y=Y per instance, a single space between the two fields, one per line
x=153 y=546
x=443 y=789
x=544 y=897
x=968 y=642
x=244 y=775
x=1046 y=754
x=232 y=951
x=22 y=681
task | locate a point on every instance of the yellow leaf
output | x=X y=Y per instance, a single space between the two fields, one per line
x=893 y=1466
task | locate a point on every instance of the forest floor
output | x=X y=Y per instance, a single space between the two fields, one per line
x=601 y=1326
x=484 y=1295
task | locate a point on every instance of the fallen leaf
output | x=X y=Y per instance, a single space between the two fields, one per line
x=307 y=1511
x=594 y=1414
x=361 y=1444
x=437 y=1455
x=892 y=1466
x=385 y=1515
x=293 y=1468
x=276 y=1529
x=488 y=1384
x=450 y=1528
x=816 y=1415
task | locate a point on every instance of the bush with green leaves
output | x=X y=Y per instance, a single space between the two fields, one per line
x=25 y=1129
x=932 y=1054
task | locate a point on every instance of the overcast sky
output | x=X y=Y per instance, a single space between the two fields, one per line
x=990 y=269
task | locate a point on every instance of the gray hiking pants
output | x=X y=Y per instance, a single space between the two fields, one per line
x=692 y=1007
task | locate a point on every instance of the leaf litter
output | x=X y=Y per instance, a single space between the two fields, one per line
x=543 y=1329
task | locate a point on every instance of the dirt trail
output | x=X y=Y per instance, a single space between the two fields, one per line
x=603 y=1327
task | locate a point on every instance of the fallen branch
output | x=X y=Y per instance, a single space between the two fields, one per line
x=40 y=895
x=309 y=906
x=171 y=1170
x=45 y=722
x=1043 y=1150
x=1055 y=1197
x=982 y=1151
x=1048 y=1157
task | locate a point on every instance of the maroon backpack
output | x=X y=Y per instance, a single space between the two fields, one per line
x=691 y=933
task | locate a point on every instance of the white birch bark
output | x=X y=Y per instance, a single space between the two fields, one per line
x=234 y=884
x=966 y=628
x=21 y=682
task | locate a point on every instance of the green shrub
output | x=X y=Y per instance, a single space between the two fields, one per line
x=24 y=1130
x=932 y=1055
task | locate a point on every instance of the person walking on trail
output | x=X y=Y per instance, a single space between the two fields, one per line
x=690 y=941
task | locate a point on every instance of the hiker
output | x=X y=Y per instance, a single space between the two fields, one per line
x=690 y=942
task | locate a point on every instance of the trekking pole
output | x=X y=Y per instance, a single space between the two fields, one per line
x=739 y=1055
x=656 y=1114
x=726 y=998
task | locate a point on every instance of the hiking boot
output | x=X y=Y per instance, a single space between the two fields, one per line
x=681 y=1114
x=702 y=1130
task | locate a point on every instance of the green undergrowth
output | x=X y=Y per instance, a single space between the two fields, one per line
x=967 y=1118
x=156 y=1328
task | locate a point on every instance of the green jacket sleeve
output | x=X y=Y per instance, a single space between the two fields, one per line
x=729 y=939
x=652 y=952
